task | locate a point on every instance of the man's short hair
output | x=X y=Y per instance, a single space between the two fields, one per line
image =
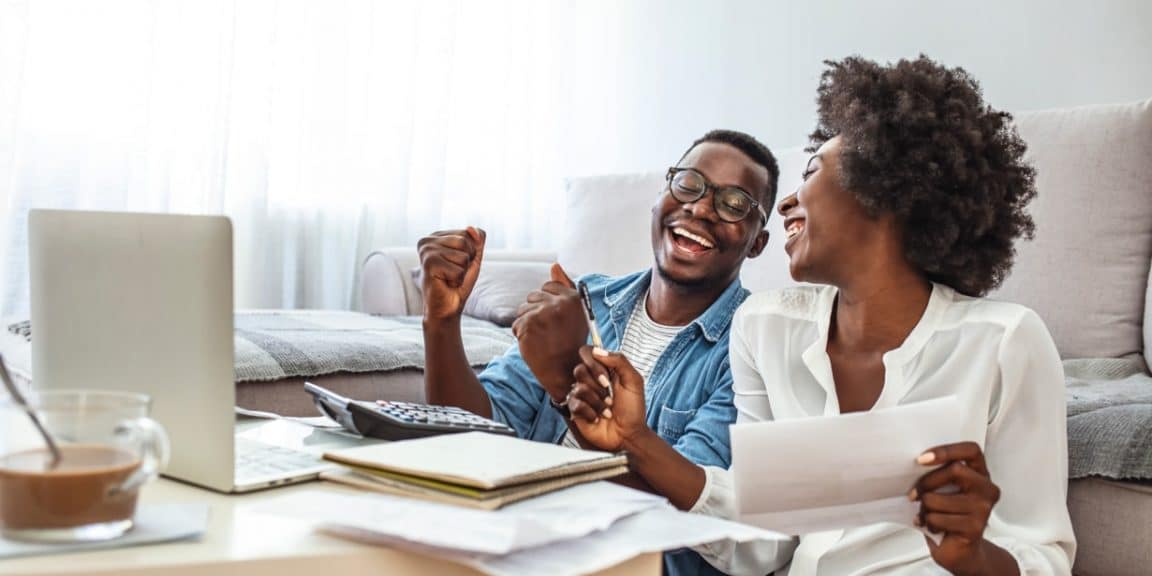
x=752 y=148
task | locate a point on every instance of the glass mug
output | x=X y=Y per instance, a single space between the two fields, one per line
x=109 y=449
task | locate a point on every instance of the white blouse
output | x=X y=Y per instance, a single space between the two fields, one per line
x=996 y=357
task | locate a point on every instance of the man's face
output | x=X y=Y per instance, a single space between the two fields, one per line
x=692 y=245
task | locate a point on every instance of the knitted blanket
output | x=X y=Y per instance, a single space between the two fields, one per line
x=276 y=344
x=1109 y=400
x=1109 y=418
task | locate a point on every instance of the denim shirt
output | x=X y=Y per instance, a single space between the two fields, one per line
x=688 y=394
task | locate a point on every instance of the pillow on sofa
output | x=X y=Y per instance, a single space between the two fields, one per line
x=608 y=223
x=1086 y=273
x=500 y=289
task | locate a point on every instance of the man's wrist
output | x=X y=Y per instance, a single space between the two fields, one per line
x=441 y=325
x=557 y=389
x=561 y=406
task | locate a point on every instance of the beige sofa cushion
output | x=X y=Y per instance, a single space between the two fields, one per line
x=500 y=289
x=1148 y=321
x=1086 y=273
x=1112 y=528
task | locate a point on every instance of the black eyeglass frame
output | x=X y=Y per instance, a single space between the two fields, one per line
x=708 y=185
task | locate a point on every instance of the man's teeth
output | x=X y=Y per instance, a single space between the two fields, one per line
x=794 y=229
x=697 y=239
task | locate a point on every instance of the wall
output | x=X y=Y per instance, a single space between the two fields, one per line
x=639 y=80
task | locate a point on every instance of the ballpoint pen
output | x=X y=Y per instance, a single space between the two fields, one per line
x=586 y=299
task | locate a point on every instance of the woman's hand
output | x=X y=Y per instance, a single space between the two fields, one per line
x=956 y=499
x=607 y=422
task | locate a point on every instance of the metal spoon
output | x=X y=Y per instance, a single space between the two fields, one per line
x=31 y=414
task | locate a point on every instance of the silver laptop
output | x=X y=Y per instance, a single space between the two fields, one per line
x=143 y=302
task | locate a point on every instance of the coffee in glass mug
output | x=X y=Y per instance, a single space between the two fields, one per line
x=109 y=448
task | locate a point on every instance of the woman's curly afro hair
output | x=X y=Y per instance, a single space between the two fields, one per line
x=918 y=141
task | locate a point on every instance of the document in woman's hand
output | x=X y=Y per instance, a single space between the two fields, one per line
x=828 y=473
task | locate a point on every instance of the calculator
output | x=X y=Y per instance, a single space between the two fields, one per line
x=389 y=420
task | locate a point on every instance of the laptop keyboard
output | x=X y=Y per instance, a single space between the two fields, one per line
x=256 y=459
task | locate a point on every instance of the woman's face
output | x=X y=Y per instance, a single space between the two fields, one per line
x=827 y=232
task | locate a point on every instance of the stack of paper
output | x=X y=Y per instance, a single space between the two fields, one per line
x=577 y=530
x=474 y=469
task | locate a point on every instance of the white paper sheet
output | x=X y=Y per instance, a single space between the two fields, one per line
x=653 y=530
x=828 y=473
x=590 y=527
x=314 y=421
x=386 y=519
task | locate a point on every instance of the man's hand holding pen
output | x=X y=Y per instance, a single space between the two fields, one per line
x=550 y=327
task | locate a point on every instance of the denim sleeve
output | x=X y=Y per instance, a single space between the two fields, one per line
x=705 y=440
x=519 y=401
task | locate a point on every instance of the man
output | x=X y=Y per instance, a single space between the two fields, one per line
x=671 y=321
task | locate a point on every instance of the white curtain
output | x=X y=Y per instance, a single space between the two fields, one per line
x=323 y=129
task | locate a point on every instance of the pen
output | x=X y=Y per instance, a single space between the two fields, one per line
x=586 y=299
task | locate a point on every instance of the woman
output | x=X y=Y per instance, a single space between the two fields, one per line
x=907 y=215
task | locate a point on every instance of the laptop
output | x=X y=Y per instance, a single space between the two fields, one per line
x=143 y=303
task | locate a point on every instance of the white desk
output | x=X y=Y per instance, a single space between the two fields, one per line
x=239 y=541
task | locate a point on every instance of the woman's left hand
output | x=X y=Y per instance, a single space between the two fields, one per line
x=961 y=510
x=607 y=423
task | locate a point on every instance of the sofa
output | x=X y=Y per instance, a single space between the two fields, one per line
x=1087 y=273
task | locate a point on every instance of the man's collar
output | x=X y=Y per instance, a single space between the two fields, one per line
x=621 y=297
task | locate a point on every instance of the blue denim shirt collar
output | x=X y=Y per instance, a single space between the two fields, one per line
x=621 y=295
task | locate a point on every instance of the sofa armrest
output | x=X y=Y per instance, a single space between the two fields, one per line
x=384 y=287
x=387 y=287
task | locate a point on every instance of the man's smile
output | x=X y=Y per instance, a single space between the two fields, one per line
x=691 y=242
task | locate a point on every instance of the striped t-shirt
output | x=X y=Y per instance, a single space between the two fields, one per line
x=644 y=341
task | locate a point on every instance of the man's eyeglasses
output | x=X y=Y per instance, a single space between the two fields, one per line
x=731 y=204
